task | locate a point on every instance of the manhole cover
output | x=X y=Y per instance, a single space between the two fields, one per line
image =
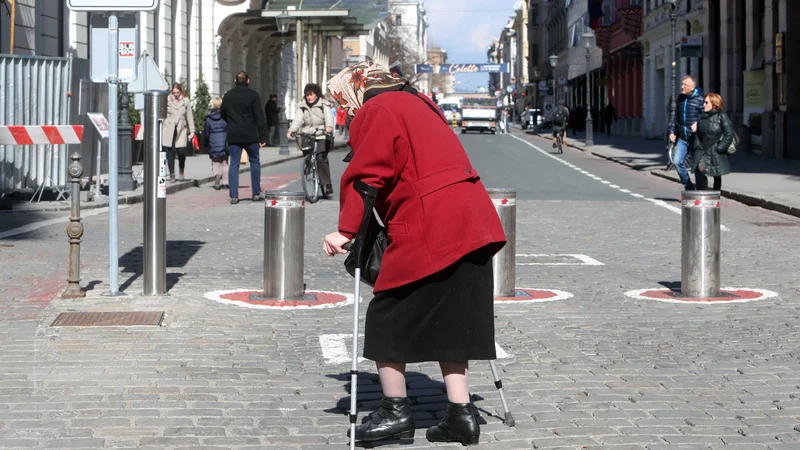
x=109 y=319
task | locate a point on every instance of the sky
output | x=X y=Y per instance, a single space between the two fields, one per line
x=465 y=28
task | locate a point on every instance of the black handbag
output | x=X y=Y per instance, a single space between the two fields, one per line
x=376 y=241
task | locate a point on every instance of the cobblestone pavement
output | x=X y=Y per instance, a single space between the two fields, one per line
x=596 y=371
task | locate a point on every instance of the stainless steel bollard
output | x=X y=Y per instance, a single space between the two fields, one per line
x=504 y=262
x=700 y=244
x=74 y=230
x=284 y=234
x=155 y=195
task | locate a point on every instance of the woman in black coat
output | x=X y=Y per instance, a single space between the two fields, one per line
x=713 y=136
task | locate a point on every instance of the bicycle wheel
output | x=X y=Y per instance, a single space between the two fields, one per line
x=560 y=143
x=310 y=179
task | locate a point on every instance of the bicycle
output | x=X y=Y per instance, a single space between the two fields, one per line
x=310 y=147
x=560 y=140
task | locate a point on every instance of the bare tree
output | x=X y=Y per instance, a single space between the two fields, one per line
x=403 y=49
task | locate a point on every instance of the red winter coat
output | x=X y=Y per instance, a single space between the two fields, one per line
x=341 y=117
x=431 y=199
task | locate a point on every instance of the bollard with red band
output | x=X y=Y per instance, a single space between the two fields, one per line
x=700 y=244
x=504 y=263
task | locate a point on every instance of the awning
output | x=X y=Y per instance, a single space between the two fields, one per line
x=333 y=17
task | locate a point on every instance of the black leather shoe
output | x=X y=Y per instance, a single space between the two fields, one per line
x=328 y=190
x=458 y=425
x=393 y=420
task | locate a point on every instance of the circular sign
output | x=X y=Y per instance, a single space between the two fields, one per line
x=509 y=88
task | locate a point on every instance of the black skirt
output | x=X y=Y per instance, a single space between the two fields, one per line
x=448 y=316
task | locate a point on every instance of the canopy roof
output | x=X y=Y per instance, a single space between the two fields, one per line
x=334 y=17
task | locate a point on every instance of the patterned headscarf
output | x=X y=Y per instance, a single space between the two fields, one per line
x=349 y=86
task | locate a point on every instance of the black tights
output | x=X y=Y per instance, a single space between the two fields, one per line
x=701 y=182
x=171 y=159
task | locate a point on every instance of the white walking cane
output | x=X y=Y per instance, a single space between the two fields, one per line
x=368 y=194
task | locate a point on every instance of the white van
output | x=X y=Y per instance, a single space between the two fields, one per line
x=451 y=107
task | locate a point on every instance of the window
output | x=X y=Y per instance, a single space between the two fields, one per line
x=608 y=14
x=635 y=2
x=398 y=19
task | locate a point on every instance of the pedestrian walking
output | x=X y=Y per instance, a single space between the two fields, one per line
x=313 y=116
x=713 y=136
x=177 y=129
x=341 y=120
x=247 y=131
x=690 y=106
x=271 y=111
x=609 y=117
x=216 y=134
x=433 y=296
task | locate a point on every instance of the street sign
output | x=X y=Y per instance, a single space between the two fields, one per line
x=509 y=88
x=692 y=46
x=99 y=51
x=121 y=5
x=149 y=79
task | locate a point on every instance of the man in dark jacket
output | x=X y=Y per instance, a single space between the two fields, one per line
x=690 y=106
x=272 y=111
x=247 y=130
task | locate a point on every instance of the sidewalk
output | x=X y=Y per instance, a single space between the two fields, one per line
x=756 y=181
x=198 y=172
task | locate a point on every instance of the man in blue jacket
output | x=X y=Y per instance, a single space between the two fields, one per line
x=690 y=106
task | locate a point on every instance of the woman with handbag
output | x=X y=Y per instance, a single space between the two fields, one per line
x=433 y=295
x=713 y=139
x=177 y=130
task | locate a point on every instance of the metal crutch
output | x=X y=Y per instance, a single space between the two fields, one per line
x=368 y=194
x=498 y=383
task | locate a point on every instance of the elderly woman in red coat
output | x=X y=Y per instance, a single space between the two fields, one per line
x=433 y=297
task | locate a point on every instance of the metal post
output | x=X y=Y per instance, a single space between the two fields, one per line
x=113 y=256
x=283 y=124
x=74 y=229
x=155 y=195
x=504 y=262
x=126 y=180
x=284 y=234
x=700 y=251
x=673 y=17
x=589 y=125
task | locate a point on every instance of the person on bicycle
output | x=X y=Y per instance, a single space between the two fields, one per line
x=313 y=114
x=559 y=120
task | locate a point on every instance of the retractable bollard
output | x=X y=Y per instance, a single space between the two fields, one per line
x=504 y=262
x=284 y=234
x=155 y=195
x=700 y=251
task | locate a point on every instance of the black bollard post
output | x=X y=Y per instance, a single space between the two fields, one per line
x=74 y=230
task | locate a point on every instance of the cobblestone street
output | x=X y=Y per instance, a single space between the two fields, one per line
x=599 y=370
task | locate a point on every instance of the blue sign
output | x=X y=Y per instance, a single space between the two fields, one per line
x=462 y=68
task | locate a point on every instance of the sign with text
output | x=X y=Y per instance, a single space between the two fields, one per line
x=692 y=46
x=119 y=5
x=462 y=68
x=126 y=51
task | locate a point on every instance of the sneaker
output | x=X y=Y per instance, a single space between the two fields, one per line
x=259 y=197
x=234 y=201
x=554 y=145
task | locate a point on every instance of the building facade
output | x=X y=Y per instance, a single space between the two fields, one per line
x=410 y=24
x=622 y=62
x=752 y=62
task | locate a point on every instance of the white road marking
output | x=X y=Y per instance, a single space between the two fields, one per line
x=46 y=223
x=336 y=348
x=583 y=260
x=656 y=202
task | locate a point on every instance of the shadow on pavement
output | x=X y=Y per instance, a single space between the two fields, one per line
x=674 y=286
x=178 y=255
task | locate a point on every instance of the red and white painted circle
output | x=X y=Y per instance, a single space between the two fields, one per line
x=730 y=295
x=242 y=297
x=525 y=295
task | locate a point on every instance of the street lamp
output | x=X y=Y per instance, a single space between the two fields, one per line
x=347 y=52
x=553 y=64
x=283 y=20
x=673 y=17
x=588 y=42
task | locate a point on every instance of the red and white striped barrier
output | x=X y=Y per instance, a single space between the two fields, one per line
x=138 y=132
x=40 y=134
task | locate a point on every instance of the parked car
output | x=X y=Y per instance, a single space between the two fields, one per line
x=532 y=119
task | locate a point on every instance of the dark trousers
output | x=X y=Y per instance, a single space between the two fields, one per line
x=181 y=153
x=255 y=168
x=272 y=136
x=701 y=182
x=608 y=127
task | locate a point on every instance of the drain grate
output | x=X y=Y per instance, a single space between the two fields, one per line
x=777 y=224
x=109 y=319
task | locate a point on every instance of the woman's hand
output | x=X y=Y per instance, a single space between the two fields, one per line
x=694 y=127
x=333 y=244
x=328 y=129
x=289 y=135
